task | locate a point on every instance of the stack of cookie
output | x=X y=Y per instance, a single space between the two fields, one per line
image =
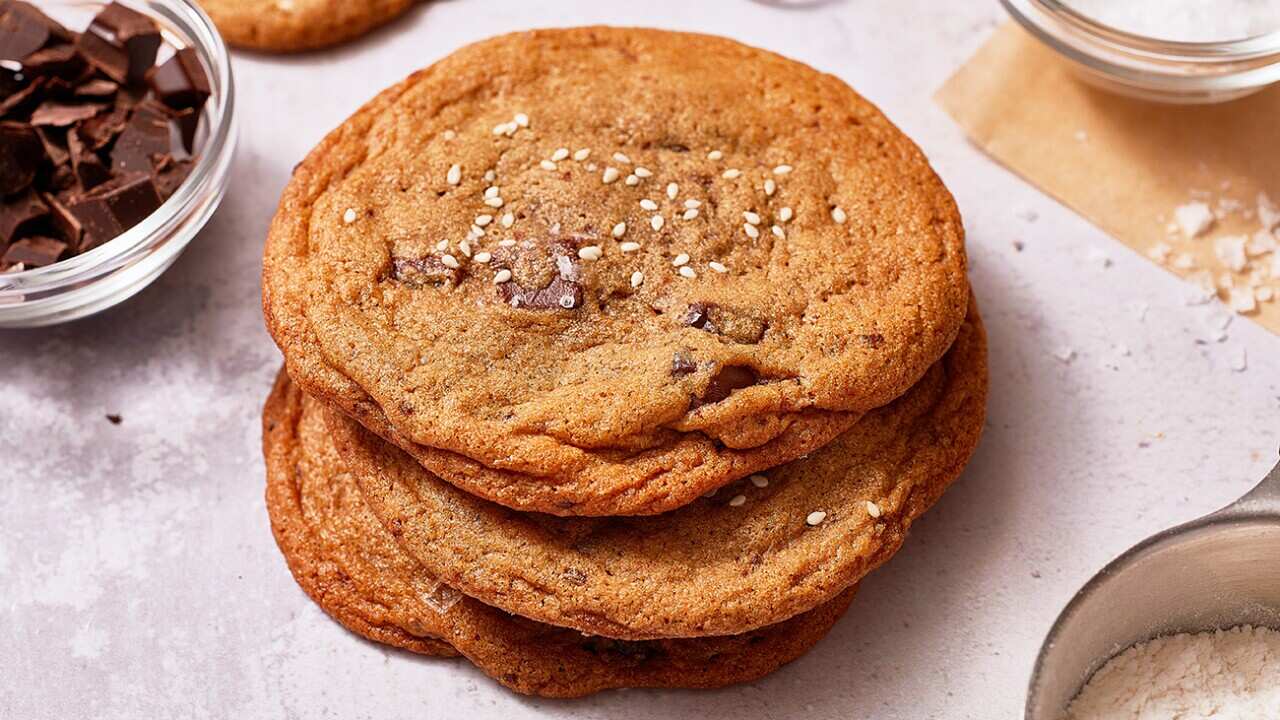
x=615 y=358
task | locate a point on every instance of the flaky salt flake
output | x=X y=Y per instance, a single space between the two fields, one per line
x=1230 y=252
x=1193 y=218
x=1243 y=301
x=1160 y=252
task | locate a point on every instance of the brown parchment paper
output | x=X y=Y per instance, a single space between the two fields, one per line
x=1127 y=164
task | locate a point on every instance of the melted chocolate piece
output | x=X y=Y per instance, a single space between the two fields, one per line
x=424 y=271
x=115 y=207
x=34 y=252
x=725 y=381
x=561 y=292
x=134 y=33
x=21 y=153
x=181 y=81
x=18 y=212
x=682 y=364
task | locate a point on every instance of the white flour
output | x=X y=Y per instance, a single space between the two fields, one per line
x=1224 y=675
x=1186 y=20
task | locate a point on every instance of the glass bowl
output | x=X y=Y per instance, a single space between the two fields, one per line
x=1150 y=68
x=116 y=270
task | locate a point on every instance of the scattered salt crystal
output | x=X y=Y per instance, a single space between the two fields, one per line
x=1264 y=294
x=1261 y=243
x=1160 y=252
x=1194 y=218
x=1230 y=251
x=1243 y=301
x=1268 y=213
x=1184 y=261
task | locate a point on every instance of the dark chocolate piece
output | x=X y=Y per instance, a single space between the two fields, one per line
x=529 y=264
x=14 y=104
x=115 y=207
x=18 y=213
x=735 y=325
x=98 y=89
x=60 y=114
x=114 y=419
x=136 y=33
x=64 y=222
x=21 y=153
x=170 y=174
x=180 y=82
x=61 y=61
x=682 y=364
x=145 y=137
x=108 y=57
x=98 y=131
x=55 y=147
x=699 y=316
x=89 y=169
x=424 y=271
x=24 y=30
x=725 y=381
x=35 y=252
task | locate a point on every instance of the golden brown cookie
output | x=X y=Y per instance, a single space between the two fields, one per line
x=299 y=25
x=751 y=555
x=321 y=521
x=602 y=271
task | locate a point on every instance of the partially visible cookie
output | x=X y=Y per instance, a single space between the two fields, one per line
x=353 y=568
x=299 y=25
x=754 y=554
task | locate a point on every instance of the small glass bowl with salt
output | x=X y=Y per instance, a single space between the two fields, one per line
x=1174 y=51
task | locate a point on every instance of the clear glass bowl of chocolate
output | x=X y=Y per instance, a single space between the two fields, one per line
x=117 y=131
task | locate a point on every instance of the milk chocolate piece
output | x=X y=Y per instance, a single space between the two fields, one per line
x=24 y=30
x=18 y=212
x=21 y=153
x=144 y=139
x=109 y=58
x=34 y=252
x=115 y=207
x=60 y=114
x=180 y=82
x=132 y=31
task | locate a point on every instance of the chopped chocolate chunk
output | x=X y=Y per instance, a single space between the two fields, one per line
x=682 y=364
x=115 y=207
x=180 y=82
x=143 y=139
x=423 y=271
x=61 y=61
x=725 y=381
x=55 y=146
x=735 y=325
x=532 y=263
x=89 y=169
x=699 y=316
x=170 y=174
x=20 y=100
x=97 y=89
x=64 y=222
x=19 y=212
x=136 y=33
x=24 y=30
x=60 y=114
x=35 y=252
x=109 y=58
x=21 y=153
x=98 y=131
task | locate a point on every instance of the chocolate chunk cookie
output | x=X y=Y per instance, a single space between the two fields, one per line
x=752 y=555
x=299 y=25
x=602 y=271
x=352 y=566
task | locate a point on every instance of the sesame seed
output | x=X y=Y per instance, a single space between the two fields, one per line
x=465 y=247
x=482 y=257
x=751 y=217
x=493 y=202
x=450 y=134
x=673 y=190
x=566 y=302
x=610 y=175
x=751 y=230
x=731 y=174
x=507 y=243
x=785 y=214
x=777 y=230
x=482 y=220
x=782 y=170
x=691 y=203
x=656 y=222
x=637 y=279
x=718 y=267
x=349 y=216
x=688 y=272
x=715 y=155
x=622 y=158
x=770 y=187
x=454 y=175
x=738 y=501
x=522 y=120
x=760 y=481
x=690 y=214
x=620 y=229
x=476 y=232
x=547 y=165
x=500 y=129
x=501 y=277
x=582 y=154
x=816 y=517
x=590 y=252
x=560 y=154
x=681 y=259
x=873 y=509
x=442 y=246
x=491 y=191
x=632 y=180
x=838 y=214
x=490 y=176
x=450 y=262
x=643 y=172
x=648 y=204
x=628 y=247
x=508 y=220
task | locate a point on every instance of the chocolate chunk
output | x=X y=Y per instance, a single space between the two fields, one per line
x=180 y=82
x=21 y=153
x=699 y=316
x=424 y=271
x=61 y=61
x=725 y=381
x=145 y=137
x=114 y=419
x=89 y=169
x=109 y=58
x=59 y=114
x=682 y=364
x=18 y=213
x=24 y=30
x=64 y=222
x=98 y=131
x=98 y=89
x=55 y=148
x=170 y=174
x=19 y=101
x=738 y=326
x=529 y=265
x=35 y=252
x=136 y=33
x=115 y=207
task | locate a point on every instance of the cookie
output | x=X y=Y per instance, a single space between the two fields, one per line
x=602 y=271
x=326 y=532
x=299 y=25
x=752 y=555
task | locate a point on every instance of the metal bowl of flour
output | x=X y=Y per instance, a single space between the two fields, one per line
x=1220 y=571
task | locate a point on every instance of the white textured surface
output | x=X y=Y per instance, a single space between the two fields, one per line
x=138 y=577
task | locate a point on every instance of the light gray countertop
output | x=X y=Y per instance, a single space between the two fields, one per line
x=139 y=579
